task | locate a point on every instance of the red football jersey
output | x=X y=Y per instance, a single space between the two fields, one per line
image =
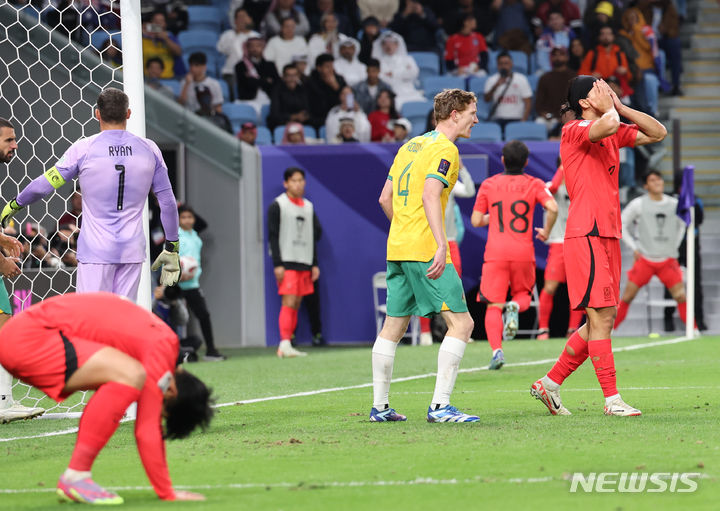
x=463 y=50
x=108 y=319
x=510 y=199
x=591 y=178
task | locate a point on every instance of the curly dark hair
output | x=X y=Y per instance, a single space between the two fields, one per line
x=191 y=408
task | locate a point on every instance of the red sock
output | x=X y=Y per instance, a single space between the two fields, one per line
x=575 y=319
x=99 y=421
x=424 y=325
x=682 y=311
x=288 y=322
x=567 y=363
x=601 y=354
x=494 y=327
x=523 y=301
x=621 y=313
x=546 y=306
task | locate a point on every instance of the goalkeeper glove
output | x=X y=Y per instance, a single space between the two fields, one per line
x=169 y=259
x=9 y=211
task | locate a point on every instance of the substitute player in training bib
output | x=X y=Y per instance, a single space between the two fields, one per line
x=589 y=150
x=105 y=343
x=421 y=279
x=506 y=202
x=653 y=231
x=116 y=171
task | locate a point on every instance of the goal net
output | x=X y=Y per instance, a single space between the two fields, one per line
x=54 y=60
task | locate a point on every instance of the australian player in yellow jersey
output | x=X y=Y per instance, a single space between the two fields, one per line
x=420 y=278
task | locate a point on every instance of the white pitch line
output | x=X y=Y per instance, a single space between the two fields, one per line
x=419 y=481
x=42 y=435
x=632 y=347
x=310 y=485
x=428 y=392
x=428 y=375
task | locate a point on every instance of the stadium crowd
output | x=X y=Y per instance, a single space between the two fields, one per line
x=263 y=68
x=317 y=71
x=418 y=48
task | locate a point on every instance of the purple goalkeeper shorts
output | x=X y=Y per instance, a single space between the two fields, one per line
x=122 y=279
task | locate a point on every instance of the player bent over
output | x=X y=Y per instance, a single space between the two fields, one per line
x=589 y=149
x=655 y=245
x=420 y=277
x=555 y=265
x=101 y=342
x=506 y=202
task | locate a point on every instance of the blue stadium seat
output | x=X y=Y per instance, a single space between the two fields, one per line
x=416 y=112
x=525 y=131
x=483 y=108
x=278 y=133
x=414 y=108
x=198 y=40
x=533 y=80
x=174 y=85
x=225 y=89
x=264 y=137
x=239 y=113
x=434 y=84
x=520 y=61
x=204 y=17
x=310 y=132
x=484 y=132
x=322 y=133
x=219 y=63
x=264 y=112
x=428 y=62
x=476 y=84
x=534 y=62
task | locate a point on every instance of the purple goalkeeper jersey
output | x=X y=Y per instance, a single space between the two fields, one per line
x=116 y=171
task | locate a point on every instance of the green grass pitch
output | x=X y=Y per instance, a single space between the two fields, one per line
x=319 y=451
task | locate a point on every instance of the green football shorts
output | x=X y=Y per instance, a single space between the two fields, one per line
x=410 y=292
x=5 y=307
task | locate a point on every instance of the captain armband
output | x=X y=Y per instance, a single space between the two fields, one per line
x=54 y=177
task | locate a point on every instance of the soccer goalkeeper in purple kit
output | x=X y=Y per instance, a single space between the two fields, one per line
x=116 y=171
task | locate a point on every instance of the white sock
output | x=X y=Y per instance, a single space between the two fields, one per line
x=450 y=354
x=610 y=399
x=383 y=358
x=73 y=476
x=6 y=399
x=495 y=351
x=549 y=384
x=285 y=344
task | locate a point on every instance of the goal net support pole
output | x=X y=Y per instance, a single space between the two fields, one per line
x=134 y=85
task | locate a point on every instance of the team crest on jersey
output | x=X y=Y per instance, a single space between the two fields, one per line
x=443 y=167
x=584 y=123
x=607 y=294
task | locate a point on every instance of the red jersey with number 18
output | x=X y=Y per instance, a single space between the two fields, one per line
x=510 y=199
x=591 y=179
